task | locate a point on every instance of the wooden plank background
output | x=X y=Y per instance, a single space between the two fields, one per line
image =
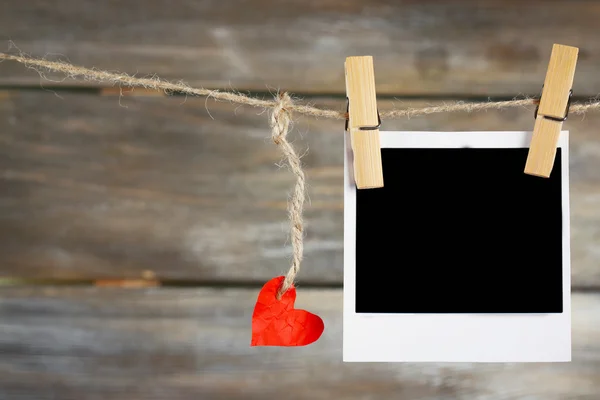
x=111 y=188
x=432 y=47
x=98 y=189
x=74 y=343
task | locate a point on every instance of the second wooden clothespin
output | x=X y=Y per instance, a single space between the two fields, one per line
x=363 y=122
x=552 y=110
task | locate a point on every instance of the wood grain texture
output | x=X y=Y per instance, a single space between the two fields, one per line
x=495 y=47
x=362 y=112
x=79 y=344
x=554 y=102
x=107 y=188
x=542 y=148
x=559 y=81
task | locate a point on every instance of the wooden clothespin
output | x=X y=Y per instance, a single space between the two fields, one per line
x=552 y=110
x=363 y=122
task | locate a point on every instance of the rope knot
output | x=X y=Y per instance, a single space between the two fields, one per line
x=281 y=117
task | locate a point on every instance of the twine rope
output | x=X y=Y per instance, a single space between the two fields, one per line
x=124 y=80
x=281 y=117
x=282 y=108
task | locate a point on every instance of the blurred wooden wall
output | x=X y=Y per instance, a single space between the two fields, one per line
x=99 y=191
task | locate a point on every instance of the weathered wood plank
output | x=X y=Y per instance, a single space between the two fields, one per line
x=101 y=188
x=79 y=344
x=495 y=47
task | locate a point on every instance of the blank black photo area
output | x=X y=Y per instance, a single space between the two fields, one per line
x=460 y=230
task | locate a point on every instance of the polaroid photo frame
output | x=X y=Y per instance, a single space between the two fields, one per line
x=460 y=257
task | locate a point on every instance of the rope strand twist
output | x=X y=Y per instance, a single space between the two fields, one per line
x=281 y=117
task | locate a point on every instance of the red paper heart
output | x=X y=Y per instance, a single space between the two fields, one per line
x=277 y=323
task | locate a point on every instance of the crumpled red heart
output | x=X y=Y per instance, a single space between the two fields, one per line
x=278 y=323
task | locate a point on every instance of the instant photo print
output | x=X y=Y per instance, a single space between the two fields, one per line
x=461 y=256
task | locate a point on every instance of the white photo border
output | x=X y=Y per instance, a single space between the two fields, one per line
x=453 y=337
